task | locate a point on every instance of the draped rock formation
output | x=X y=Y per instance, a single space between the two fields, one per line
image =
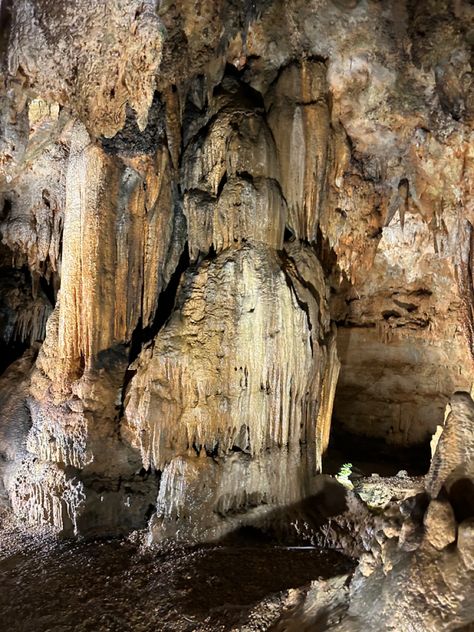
x=208 y=208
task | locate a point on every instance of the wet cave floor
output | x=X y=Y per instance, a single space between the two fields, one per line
x=113 y=585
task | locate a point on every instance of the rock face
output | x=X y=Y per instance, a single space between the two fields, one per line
x=209 y=209
x=416 y=569
x=453 y=458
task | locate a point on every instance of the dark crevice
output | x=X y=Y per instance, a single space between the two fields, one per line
x=245 y=95
x=306 y=284
x=200 y=136
x=409 y=307
x=421 y=292
x=48 y=288
x=461 y=497
x=144 y=335
x=390 y=313
x=212 y=254
x=149 y=512
x=319 y=101
x=375 y=233
x=372 y=454
x=166 y=302
x=213 y=452
x=286 y=265
x=352 y=324
x=222 y=183
x=288 y=235
x=245 y=175
x=5 y=24
x=6 y=209
x=19 y=291
x=246 y=100
x=130 y=140
x=325 y=254
x=11 y=352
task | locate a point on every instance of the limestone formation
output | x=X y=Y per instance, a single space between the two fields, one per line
x=453 y=458
x=440 y=524
x=230 y=232
x=465 y=542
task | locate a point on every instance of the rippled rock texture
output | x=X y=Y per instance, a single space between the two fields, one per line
x=210 y=210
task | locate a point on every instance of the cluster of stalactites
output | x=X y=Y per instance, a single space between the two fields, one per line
x=247 y=361
x=117 y=233
x=261 y=164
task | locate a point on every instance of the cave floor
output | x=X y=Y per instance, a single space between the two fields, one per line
x=113 y=585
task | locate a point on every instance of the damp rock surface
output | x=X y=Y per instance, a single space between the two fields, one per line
x=105 y=585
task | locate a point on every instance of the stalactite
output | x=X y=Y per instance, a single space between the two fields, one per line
x=118 y=247
x=250 y=374
x=193 y=190
x=300 y=123
x=42 y=494
x=31 y=324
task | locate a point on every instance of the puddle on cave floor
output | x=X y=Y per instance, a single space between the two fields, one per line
x=110 y=585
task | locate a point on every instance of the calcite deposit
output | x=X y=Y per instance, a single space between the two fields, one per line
x=230 y=232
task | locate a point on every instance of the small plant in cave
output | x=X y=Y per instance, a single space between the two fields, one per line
x=344 y=474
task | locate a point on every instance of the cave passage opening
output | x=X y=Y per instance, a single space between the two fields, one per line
x=382 y=420
x=373 y=455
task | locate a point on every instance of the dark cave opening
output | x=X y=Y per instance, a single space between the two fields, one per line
x=373 y=455
x=23 y=311
x=10 y=352
x=387 y=404
x=381 y=422
x=167 y=298
x=145 y=335
x=50 y=288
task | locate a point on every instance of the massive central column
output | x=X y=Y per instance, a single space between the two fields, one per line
x=232 y=401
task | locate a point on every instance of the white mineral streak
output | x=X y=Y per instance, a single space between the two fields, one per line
x=328 y=392
x=300 y=123
x=58 y=435
x=42 y=494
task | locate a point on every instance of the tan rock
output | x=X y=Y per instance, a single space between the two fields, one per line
x=454 y=456
x=304 y=151
x=466 y=542
x=440 y=524
x=203 y=382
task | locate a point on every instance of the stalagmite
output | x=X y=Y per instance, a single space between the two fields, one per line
x=237 y=267
x=247 y=361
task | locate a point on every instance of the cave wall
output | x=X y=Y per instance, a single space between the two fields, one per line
x=403 y=335
x=195 y=197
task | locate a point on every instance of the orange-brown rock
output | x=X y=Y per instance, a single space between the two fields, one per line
x=204 y=191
